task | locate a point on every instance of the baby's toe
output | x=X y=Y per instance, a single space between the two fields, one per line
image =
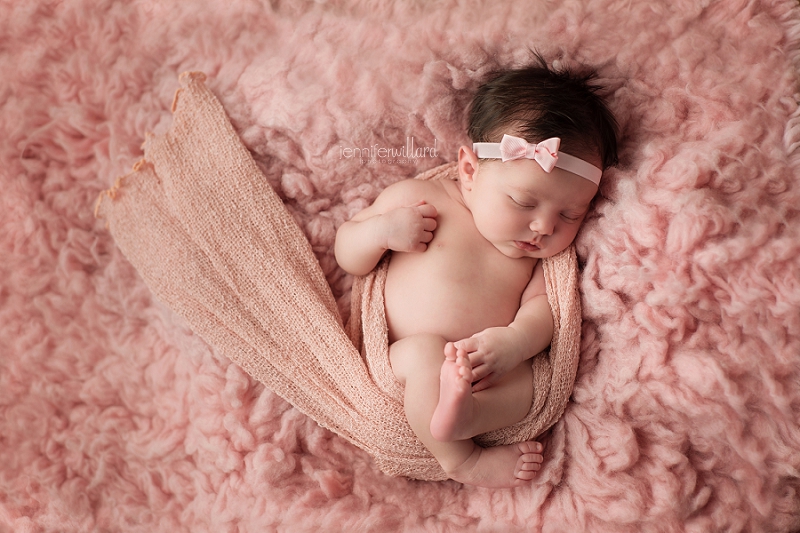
x=531 y=466
x=525 y=475
x=531 y=447
x=450 y=351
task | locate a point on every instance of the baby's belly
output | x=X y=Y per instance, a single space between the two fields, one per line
x=427 y=295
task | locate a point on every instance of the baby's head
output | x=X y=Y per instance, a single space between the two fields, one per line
x=538 y=103
x=541 y=139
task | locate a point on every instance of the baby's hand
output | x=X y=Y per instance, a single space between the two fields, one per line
x=409 y=229
x=492 y=353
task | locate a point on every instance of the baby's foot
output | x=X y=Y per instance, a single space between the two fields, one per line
x=501 y=466
x=455 y=409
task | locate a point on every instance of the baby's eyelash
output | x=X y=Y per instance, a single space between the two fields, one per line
x=569 y=217
x=523 y=205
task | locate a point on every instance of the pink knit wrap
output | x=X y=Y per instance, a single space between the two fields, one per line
x=213 y=241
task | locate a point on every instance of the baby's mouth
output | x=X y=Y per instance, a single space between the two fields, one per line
x=527 y=246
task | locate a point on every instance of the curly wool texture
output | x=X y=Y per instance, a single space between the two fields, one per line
x=115 y=417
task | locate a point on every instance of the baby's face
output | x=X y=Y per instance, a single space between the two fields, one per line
x=523 y=210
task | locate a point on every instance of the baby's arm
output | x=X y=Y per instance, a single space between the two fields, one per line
x=399 y=220
x=494 y=351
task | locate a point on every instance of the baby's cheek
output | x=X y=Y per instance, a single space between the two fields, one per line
x=507 y=225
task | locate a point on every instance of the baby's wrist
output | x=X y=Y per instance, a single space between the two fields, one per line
x=522 y=343
x=380 y=232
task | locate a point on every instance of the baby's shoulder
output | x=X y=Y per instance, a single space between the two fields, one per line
x=410 y=192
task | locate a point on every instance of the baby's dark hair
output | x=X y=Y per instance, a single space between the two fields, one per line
x=537 y=102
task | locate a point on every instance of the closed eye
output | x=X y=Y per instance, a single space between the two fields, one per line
x=571 y=217
x=521 y=204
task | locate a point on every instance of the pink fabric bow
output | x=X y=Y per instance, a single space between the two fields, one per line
x=545 y=153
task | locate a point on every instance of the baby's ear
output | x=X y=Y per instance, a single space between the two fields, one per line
x=467 y=166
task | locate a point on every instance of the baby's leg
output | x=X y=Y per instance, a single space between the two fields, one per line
x=417 y=363
x=460 y=414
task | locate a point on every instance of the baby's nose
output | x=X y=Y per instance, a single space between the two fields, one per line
x=542 y=226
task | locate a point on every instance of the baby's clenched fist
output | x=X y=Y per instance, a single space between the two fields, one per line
x=409 y=229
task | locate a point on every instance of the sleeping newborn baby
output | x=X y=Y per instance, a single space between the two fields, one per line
x=465 y=295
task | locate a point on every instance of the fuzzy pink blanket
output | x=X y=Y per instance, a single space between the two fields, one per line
x=115 y=417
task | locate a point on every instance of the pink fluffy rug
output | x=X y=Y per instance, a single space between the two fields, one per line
x=115 y=417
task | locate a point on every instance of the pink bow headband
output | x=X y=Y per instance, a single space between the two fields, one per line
x=545 y=153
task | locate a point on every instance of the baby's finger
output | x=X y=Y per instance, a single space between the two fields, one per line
x=427 y=210
x=429 y=224
x=483 y=384
x=469 y=345
x=477 y=358
x=427 y=236
x=480 y=372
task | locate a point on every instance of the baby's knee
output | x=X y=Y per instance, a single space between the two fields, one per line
x=417 y=355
